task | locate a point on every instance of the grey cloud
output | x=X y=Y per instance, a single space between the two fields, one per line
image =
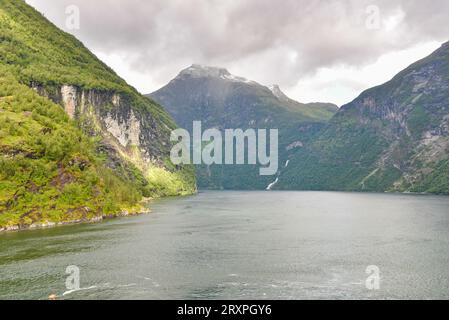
x=273 y=41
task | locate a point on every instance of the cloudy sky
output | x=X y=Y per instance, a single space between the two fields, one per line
x=316 y=50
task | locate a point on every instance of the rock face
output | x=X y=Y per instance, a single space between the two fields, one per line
x=76 y=141
x=393 y=137
x=115 y=117
x=69 y=96
x=278 y=93
x=133 y=129
x=224 y=101
x=127 y=131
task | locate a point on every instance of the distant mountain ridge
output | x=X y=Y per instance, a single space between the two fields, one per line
x=393 y=137
x=222 y=100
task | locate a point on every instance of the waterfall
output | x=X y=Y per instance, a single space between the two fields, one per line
x=271 y=185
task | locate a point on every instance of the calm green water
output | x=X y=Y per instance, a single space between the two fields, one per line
x=242 y=245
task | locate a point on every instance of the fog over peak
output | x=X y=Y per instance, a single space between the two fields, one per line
x=198 y=70
x=303 y=45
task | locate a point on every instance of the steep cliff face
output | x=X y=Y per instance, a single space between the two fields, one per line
x=51 y=170
x=59 y=67
x=222 y=100
x=393 y=137
x=112 y=115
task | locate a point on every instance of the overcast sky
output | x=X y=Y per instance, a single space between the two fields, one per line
x=316 y=50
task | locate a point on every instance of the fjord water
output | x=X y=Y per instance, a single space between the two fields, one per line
x=242 y=245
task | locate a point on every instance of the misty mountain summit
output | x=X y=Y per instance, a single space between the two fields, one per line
x=201 y=71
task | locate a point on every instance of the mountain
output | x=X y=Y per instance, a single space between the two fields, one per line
x=394 y=137
x=225 y=101
x=276 y=90
x=76 y=142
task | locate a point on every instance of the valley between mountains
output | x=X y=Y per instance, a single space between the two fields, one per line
x=393 y=138
x=78 y=144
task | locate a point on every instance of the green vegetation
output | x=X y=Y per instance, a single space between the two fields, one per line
x=385 y=140
x=163 y=183
x=49 y=169
x=437 y=182
x=224 y=104
x=418 y=120
x=38 y=52
x=336 y=161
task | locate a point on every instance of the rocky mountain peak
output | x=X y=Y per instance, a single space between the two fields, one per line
x=202 y=71
x=445 y=45
x=276 y=90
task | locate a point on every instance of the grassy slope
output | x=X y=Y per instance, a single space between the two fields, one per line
x=437 y=181
x=49 y=168
x=37 y=51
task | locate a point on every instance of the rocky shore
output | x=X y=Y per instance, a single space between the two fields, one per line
x=49 y=224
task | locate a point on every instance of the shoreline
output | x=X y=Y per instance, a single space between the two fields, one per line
x=125 y=213
x=48 y=225
x=144 y=209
